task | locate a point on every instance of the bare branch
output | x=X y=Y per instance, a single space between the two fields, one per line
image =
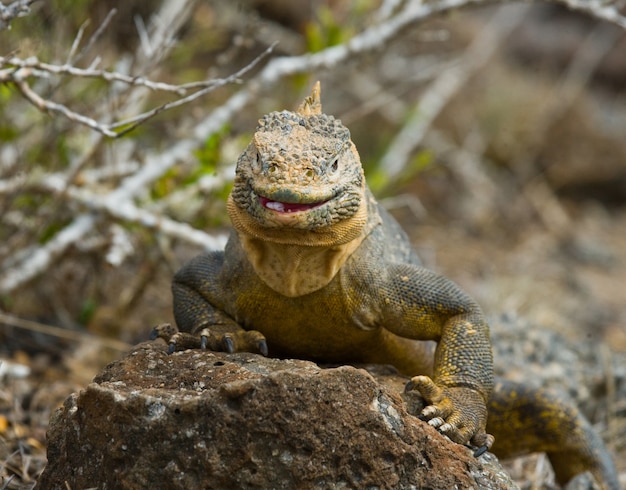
x=92 y=40
x=39 y=260
x=167 y=22
x=600 y=9
x=77 y=40
x=26 y=264
x=144 y=37
x=446 y=85
x=48 y=106
x=126 y=211
x=32 y=66
x=573 y=82
x=27 y=67
x=19 y=8
x=234 y=78
x=36 y=262
x=369 y=39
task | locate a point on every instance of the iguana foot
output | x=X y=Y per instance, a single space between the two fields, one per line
x=458 y=412
x=215 y=338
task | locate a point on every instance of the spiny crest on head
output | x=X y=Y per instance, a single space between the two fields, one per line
x=309 y=116
x=312 y=104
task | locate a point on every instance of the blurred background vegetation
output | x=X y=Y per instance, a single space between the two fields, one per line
x=515 y=187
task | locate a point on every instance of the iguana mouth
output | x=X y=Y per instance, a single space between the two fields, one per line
x=288 y=207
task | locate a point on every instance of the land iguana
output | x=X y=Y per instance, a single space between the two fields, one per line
x=316 y=269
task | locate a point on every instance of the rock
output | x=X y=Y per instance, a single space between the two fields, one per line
x=213 y=420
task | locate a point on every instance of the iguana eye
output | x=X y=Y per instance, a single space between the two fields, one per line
x=257 y=162
x=334 y=164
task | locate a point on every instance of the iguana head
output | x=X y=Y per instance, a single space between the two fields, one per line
x=299 y=178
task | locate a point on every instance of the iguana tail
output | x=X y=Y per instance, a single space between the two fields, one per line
x=525 y=419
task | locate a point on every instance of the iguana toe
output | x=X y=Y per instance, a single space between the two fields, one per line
x=236 y=341
x=457 y=412
x=482 y=443
x=214 y=338
x=175 y=340
x=163 y=331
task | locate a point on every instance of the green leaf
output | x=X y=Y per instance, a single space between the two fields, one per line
x=209 y=156
x=87 y=311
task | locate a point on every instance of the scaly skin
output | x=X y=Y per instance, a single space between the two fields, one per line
x=316 y=269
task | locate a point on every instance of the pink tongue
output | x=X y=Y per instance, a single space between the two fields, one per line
x=285 y=207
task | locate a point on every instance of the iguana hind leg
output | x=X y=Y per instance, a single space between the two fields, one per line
x=524 y=420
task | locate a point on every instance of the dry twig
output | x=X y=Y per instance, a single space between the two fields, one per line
x=63 y=333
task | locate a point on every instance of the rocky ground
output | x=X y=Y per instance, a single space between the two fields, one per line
x=244 y=421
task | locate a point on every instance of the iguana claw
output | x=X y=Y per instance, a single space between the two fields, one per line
x=203 y=342
x=480 y=451
x=262 y=346
x=228 y=344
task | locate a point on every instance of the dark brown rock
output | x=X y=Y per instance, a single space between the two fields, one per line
x=211 y=420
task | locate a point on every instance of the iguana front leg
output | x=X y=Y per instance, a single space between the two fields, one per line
x=200 y=317
x=422 y=305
